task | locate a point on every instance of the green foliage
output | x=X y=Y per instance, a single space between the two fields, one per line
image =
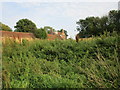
x=4 y=27
x=97 y=25
x=62 y=64
x=49 y=29
x=40 y=33
x=25 y=25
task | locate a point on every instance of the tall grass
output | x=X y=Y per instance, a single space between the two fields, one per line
x=62 y=64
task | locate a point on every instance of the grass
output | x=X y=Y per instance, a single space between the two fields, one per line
x=62 y=63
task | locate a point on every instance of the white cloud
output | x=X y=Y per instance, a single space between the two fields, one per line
x=59 y=0
x=28 y=4
x=0 y=11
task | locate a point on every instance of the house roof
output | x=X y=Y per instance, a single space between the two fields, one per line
x=29 y=35
x=17 y=34
x=52 y=37
x=59 y=33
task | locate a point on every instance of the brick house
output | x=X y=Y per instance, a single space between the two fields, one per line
x=19 y=36
x=57 y=35
x=16 y=36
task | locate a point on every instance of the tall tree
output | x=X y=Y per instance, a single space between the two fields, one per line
x=114 y=19
x=97 y=25
x=25 y=25
x=88 y=27
x=4 y=27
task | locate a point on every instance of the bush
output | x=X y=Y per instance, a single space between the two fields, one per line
x=40 y=33
x=62 y=64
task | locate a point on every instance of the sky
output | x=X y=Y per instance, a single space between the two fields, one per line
x=59 y=15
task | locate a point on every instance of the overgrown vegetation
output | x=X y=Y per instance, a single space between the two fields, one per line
x=62 y=64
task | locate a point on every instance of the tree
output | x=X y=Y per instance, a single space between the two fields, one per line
x=25 y=25
x=40 y=33
x=114 y=19
x=49 y=29
x=4 y=27
x=88 y=27
x=97 y=25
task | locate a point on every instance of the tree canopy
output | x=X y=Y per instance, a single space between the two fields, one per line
x=25 y=25
x=4 y=27
x=40 y=33
x=97 y=25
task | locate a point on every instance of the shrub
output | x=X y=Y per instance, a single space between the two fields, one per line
x=62 y=64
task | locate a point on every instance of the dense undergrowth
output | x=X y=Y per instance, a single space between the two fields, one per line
x=62 y=64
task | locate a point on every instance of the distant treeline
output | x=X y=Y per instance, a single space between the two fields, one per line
x=87 y=27
x=26 y=25
x=98 y=25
